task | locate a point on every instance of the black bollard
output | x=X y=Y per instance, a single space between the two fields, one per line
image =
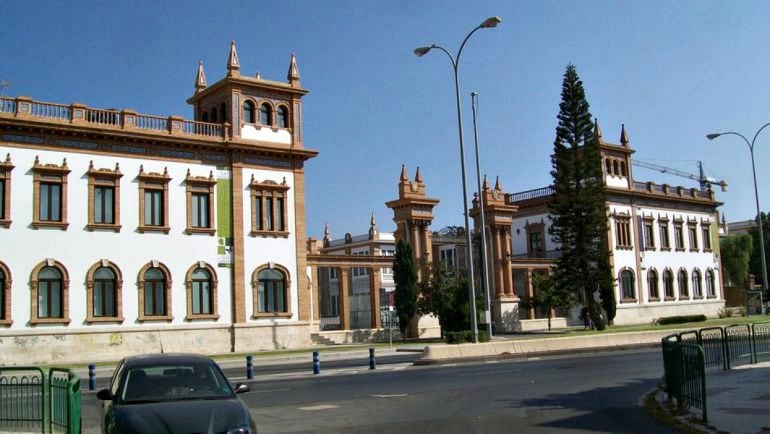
x=249 y=367
x=316 y=363
x=372 y=360
x=91 y=377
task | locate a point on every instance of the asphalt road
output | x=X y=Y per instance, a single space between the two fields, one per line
x=590 y=393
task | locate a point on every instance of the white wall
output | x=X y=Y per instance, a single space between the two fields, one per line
x=519 y=233
x=23 y=247
x=265 y=134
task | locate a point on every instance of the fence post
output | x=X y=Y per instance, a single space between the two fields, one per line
x=249 y=367
x=372 y=360
x=316 y=363
x=91 y=377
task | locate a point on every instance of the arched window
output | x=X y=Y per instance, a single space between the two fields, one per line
x=248 y=112
x=623 y=168
x=265 y=114
x=283 y=117
x=615 y=170
x=214 y=118
x=5 y=295
x=668 y=283
x=49 y=282
x=205 y=117
x=697 y=291
x=154 y=292
x=607 y=166
x=271 y=291
x=684 y=292
x=710 y=290
x=49 y=293
x=652 y=284
x=627 y=285
x=223 y=112
x=201 y=292
x=105 y=300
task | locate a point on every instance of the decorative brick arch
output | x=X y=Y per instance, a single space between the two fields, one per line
x=212 y=290
x=140 y=286
x=118 y=317
x=255 y=291
x=34 y=283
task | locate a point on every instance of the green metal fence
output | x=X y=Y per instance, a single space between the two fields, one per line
x=34 y=402
x=692 y=377
x=712 y=339
x=760 y=333
x=738 y=348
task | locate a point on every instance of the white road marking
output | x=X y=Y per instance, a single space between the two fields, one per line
x=398 y=395
x=319 y=407
x=269 y=390
x=489 y=373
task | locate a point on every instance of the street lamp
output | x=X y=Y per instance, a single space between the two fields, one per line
x=484 y=271
x=756 y=196
x=419 y=52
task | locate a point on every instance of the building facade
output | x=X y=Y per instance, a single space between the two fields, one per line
x=663 y=240
x=126 y=233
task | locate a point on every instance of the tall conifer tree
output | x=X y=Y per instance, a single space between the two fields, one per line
x=578 y=205
x=405 y=277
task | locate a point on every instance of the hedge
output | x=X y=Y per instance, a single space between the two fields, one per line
x=681 y=319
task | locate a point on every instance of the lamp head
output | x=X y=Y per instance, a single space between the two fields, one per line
x=490 y=22
x=421 y=51
x=713 y=136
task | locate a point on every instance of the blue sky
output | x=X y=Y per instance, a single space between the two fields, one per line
x=671 y=71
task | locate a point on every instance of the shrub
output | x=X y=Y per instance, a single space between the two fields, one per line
x=465 y=336
x=681 y=319
x=724 y=313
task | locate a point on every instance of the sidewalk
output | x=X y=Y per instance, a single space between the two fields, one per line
x=738 y=401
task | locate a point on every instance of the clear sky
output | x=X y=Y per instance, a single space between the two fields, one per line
x=671 y=71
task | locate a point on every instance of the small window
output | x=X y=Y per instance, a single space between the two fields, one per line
x=265 y=114
x=627 y=284
x=706 y=238
x=668 y=284
x=205 y=117
x=153 y=201
x=710 y=288
x=269 y=208
x=283 y=117
x=248 y=112
x=649 y=236
x=652 y=284
x=223 y=112
x=104 y=287
x=623 y=232
x=214 y=118
x=50 y=195
x=684 y=292
x=679 y=236
x=271 y=291
x=623 y=169
x=664 y=241
x=615 y=170
x=5 y=191
x=200 y=203
x=201 y=292
x=5 y=296
x=104 y=198
x=155 y=292
x=607 y=166
x=697 y=290
x=692 y=231
x=49 y=295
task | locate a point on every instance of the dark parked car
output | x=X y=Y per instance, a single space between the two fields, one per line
x=173 y=393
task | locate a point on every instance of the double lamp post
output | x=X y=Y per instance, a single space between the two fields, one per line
x=419 y=52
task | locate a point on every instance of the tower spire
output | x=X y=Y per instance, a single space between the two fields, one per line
x=373 y=227
x=200 y=78
x=485 y=184
x=418 y=175
x=293 y=74
x=404 y=177
x=233 y=65
x=498 y=186
x=623 y=135
x=597 y=130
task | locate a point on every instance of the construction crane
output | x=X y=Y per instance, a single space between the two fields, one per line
x=705 y=181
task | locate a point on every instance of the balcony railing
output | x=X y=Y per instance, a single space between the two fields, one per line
x=530 y=194
x=78 y=114
x=672 y=191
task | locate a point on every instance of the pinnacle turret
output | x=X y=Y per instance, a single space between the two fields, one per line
x=200 y=78
x=233 y=65
x=293 y=74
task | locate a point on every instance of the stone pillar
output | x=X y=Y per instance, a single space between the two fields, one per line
x=507 y=269
x=530 y=291
x=315 y=297
x=499 y=266
x=344 y=286
x=374 y=291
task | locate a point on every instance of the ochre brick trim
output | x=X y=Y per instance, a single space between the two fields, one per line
x=104 y=178
x=34 y=285
x=255 y=291
x=118 y=317
x=300 y=233
x=53 y=174
x=212 y=292
x=239 y=273
x=261 y=193
x=5 y=281
x=204 y=185
x=156 y=182
x=140 y=286
x=5 y=177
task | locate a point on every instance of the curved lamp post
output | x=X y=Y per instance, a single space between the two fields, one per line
x=756 y=196
x=419 y=52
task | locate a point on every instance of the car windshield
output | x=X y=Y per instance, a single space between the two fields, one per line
x=157 y=383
